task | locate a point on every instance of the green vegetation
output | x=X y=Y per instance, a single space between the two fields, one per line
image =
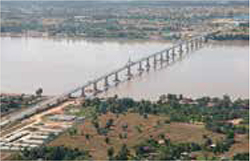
x=10 y=103
x=129 y=20
x=174 y=127
x=241 y=156
x=213 y=112
x=233 y=36
x=51 y=153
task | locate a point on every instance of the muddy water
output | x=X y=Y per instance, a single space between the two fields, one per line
x=60 y=65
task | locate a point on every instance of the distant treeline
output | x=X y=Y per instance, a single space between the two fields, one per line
x=230 y=37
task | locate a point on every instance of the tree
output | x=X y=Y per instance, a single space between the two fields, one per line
x=145 y=116
x=87 y=136
x=125 y=126
x=230 y=134
x=95 y=123
x=226 y=102
x=51 y=153
x=123 y=154
x=109 y=123
x=72 y=131
x=208 y=142
x=161 y=136
x=39 y=92
x=162 y=99
x=107 y=140
x=110 y=153
x=241 y=156
x=120 y=136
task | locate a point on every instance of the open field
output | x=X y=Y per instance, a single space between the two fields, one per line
x=241 y=145
x=153 y=126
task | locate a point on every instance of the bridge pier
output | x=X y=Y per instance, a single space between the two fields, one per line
x=140 y=69
x=180 y=50
x=206 y=39
x=187 y=47
x=201 y=42
x=173 y=53
x=69 y=95
x=167 y=56
x=83 y=92
x=196 y=44
x=148 y=64
x=95 y=88
x=106 y=83
x=155 y=61
x=116 y=80
x=129 y=74
x=192 y=44
x=161 y=58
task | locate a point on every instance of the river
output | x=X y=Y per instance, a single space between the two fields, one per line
x=58 y=65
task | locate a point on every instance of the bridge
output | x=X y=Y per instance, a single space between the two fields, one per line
x=167 y=56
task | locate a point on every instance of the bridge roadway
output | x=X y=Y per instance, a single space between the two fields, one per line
x=60 y=98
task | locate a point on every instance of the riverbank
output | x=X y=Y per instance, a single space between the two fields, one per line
x=46 y=35
x=220 y=37
x=88 y=39
x=232 y=36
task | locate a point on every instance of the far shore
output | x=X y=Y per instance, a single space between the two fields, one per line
x=109 y=39
x=95 y=39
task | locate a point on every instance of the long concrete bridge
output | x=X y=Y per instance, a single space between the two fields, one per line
x=145 y=64
x=167 y=56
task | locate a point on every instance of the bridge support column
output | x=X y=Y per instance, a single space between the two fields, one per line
x=161 y=58
x=192 y=44
x=148 y=64
x=83 y=92
x=201 y=42
x=173 y=53
x=140 y=69
x=181 y=50
x=116 y=80
x=196 y=44
x=106 y=83
x=129 y=74
x=155 y=61
x=167 y=56
x=58 y=101
x=206 y=39
x=187 y=47
x=95 y=88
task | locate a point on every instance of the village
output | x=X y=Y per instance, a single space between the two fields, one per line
x=38 y=129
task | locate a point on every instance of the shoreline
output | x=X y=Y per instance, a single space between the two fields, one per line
x=219 y=37
x=84 y=38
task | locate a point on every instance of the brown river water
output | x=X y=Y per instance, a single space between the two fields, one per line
x=58 y=65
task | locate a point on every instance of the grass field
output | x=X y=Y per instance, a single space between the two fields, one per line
x=153 y=126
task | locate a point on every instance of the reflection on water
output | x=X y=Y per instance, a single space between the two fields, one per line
x=59 y=65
